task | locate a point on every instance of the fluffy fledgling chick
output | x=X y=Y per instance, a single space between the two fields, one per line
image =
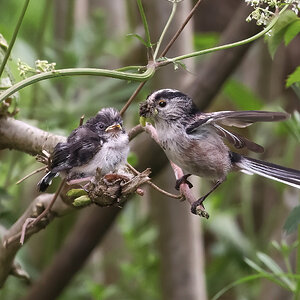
x=100 y=143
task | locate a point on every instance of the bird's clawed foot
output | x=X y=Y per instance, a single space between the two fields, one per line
x=197 y=208
x=182 y=180
x=196 y=204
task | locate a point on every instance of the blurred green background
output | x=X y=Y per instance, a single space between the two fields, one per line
x=246 y=214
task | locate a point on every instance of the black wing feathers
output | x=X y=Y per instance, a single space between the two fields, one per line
x=80 y=147
x=238 y=141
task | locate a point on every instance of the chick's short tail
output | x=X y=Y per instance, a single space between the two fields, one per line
x=254 y=166
x=46 y=181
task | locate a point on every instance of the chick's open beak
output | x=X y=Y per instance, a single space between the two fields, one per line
x=114 y=127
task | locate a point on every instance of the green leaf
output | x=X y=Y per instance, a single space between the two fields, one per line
x=139 y=38
x=294 y=77
x=248 y=279
x=274 y=267
x=242 y=96
x=269 y=262
x=292 y=221
x=292 y=30
x=76 y=192
x=278 y=31
x=236 y=283
x=254 y=265
x=82 y=201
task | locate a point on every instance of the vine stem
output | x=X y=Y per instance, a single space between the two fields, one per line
x=223 y=47
x=78 y=71
x=165 y=29
x=162 y=54
x=12 y=42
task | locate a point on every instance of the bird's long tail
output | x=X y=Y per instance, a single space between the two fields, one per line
x=46 y=181
x=254 y=166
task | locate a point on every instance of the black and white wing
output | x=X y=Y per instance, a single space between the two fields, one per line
x=80 y=147
x=239 y=119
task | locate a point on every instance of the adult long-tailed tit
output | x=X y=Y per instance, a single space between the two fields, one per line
x=195 y=140
x=100 y=143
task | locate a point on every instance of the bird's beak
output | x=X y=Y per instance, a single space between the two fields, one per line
x=114 y=127
x=145 y=110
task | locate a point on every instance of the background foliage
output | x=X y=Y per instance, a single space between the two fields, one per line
x=247 y=213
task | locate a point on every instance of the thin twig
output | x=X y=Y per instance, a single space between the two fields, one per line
x=155 y=186
x=141 y=85
x=164 y=52
x=24 y=227
x=136 y=130
x=32 y=173
x=158 y=45
x=164 y=192
x=48 y=208
x=12 y=42
x=30 y=222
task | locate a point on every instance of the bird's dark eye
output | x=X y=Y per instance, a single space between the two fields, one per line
x=162 y=103
x=101 y=126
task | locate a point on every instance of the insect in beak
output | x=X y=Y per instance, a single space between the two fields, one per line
x=113 y=127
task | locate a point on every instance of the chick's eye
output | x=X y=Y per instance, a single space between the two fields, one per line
x=101 y=126
x=162 y=103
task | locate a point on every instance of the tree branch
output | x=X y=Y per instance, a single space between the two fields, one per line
x=10 y=244
x=18 y=135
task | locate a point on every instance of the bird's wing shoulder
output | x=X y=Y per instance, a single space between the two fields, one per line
x=81 y=146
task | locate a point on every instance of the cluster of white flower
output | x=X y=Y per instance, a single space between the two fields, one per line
x=41 y=66
x=44 y=66
x=265 y=9
x=295 y=5
x=24 y=69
